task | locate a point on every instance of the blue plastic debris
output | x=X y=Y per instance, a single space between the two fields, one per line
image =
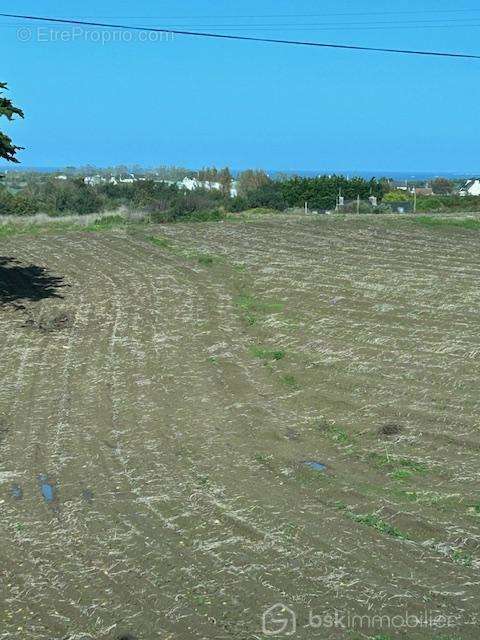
x=313 y=464
x=47 y=489
x=87 y=495
x=16 y=491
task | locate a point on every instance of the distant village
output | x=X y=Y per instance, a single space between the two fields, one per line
x=188 y=183
x=469 y=187
x=176 y=191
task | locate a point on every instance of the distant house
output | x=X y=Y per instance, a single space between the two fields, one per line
x=422 y=191
x=471 y=188
x=426 y=190
x=128 y=178
x=61 y=177
x=401 y=186
x=93 y=181
x=124 y=178
x=190 y=184
x=234 y=189
x=194 y=183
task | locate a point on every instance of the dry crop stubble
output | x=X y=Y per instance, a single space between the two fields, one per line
x=176 y=442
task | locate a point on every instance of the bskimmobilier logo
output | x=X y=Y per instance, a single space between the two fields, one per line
x=282 y=621
x=279 y=620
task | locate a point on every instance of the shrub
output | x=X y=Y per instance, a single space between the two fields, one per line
x=16 y=205
x=398 y=195
x=204 y=216
x=108 y=222
x=322 y=192
x=448 y=203
x=239 y=203
x=162 y=217
x=268 y=195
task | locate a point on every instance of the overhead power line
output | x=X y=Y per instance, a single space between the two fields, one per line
x=258 y=24
x=197 y=24
x=285 y=15
x=259 y=21
x=303 y=29
x=223 y=36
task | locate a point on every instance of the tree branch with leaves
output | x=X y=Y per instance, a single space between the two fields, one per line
x=8 y=150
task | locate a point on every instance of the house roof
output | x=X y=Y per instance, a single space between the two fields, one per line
x=424 y=191
x=470 y=183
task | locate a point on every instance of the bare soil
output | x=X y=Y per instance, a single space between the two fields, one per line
x=237 y=415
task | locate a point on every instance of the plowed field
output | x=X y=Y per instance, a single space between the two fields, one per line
x=200 y=421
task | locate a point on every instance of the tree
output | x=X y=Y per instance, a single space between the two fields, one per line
x=267 y=195
x=208 y=174
x=251 y=180
x=442 y=186
x=8 y=150
x=224 y=177
x=322 y=192
x=16 y=205
x=397 y=195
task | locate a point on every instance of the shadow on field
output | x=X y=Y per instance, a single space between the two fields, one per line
x=26 y=282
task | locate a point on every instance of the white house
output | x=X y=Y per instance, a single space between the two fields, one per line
x=194 y=183
x=93 y=181
x=471 y=188
x=399 y=186
x=234 y=189
x=128 y=178
x=189 y=183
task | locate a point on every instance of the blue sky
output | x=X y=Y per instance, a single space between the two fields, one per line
x=195 y=102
